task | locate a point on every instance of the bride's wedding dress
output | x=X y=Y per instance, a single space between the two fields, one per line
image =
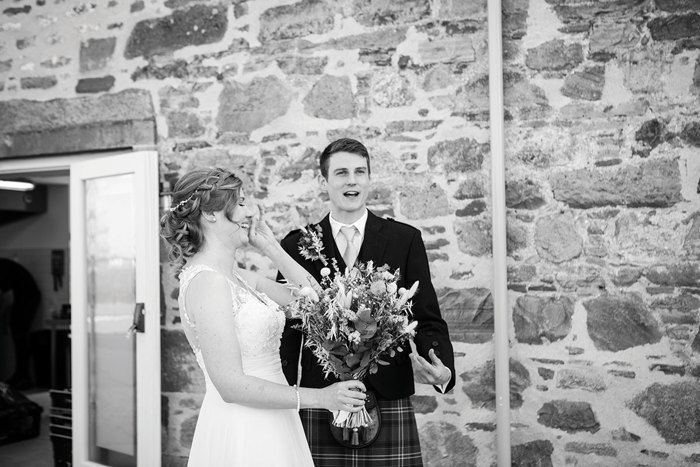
x=233 y=435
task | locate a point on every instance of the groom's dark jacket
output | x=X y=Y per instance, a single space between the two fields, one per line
x=400 y=246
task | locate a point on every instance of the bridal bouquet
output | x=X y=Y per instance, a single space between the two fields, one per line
x=353 y=322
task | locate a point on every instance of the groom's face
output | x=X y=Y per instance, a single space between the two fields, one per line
x=347 y=183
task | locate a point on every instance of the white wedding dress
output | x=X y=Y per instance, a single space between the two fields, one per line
x=232 y=435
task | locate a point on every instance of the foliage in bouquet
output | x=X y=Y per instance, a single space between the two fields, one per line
x=356 y=319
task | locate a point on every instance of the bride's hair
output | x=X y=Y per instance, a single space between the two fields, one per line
x=201 y=190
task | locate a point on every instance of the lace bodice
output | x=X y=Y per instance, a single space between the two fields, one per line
x=259 y=323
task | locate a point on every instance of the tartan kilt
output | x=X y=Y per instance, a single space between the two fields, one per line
x=397 y=444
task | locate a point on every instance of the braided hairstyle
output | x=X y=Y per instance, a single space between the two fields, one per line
x=201 y=190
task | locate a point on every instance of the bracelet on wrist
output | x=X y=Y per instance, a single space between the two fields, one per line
x=296 y=390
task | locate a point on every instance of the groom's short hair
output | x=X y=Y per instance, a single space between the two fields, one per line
x=342 y=145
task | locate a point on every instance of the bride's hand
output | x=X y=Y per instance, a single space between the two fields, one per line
x=259 y=234
x=344 y=395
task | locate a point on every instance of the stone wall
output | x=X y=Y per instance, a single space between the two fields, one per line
x=261 y=87
x=602 y=142
x=602 y=137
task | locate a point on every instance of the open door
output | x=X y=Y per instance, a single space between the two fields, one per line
x=115 y=324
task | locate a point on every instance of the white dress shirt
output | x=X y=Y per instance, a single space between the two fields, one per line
x=340 y=240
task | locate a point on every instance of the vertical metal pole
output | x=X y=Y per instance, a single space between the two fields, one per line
x=498 y=197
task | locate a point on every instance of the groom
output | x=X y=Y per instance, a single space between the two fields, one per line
x=353 y=234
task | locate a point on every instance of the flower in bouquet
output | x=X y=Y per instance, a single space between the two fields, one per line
x=353 y=322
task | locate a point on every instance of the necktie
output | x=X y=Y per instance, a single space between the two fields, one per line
x=350 y=253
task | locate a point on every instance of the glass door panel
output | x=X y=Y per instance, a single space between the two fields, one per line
x=111 y=296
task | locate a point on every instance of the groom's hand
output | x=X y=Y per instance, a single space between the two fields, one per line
x=425 y=372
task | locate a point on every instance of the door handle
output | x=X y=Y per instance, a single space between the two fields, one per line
x=139 y=322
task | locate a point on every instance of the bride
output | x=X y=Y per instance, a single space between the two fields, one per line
x=249 y=413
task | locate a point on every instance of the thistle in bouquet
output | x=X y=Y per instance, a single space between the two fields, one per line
x=353 y=322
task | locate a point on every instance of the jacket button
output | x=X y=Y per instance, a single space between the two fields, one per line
x=435 y=343
x=284 y=362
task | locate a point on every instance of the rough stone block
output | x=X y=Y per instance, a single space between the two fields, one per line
x=382 y=12
x=570 y=378
x=13 y=11
x=473 y=236
x=557 y=239
x=587 y=84
x=423 y=201
x=671 y=28
x=184 y=125
x=445 y=445
x=623 y=373
x=607 y=37
x=582 y=13
x=533 y=454
x=468 y=313
x=245 y=107
x=424 y=404
x=358 y=132
x=408 y=126
x=652 y=133
x=680 y=309
x=295 y=20
x=200 y=24
x=685 y=274
x=691 y=134
x=480 y=385
x=569 y=416
x=619 y=322
x=654 y=183
x=523 y=194
x=460 y=155
x=295 y=65
x=451 y=9
x=447 y=50
x=330 y=98
x=621 y=434
x=677 y=5
x=472 y=209
x=38 y=82
x=382 y=39
x=515 y=14
x=391 y=90
x=522 y=99
x=93 y=85
x=471 y=188
x=53 y=62
x=554 y=55
x=673 y=409
x=437 y=77
x=96 y=53
x=117 y=120
x=536 y=319
x=545 y=373
x=599 y=449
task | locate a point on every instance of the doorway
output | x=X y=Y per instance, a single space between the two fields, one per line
x=111 y=383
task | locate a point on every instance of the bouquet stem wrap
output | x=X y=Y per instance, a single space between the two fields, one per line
x=353 y=424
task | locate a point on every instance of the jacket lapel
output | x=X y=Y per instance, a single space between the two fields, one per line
x=374 y=242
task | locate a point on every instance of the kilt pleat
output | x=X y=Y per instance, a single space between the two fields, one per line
x=397 y=445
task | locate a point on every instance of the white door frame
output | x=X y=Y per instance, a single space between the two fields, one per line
x=148 y=368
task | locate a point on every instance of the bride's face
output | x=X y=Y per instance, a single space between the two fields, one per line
x=233 y=232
